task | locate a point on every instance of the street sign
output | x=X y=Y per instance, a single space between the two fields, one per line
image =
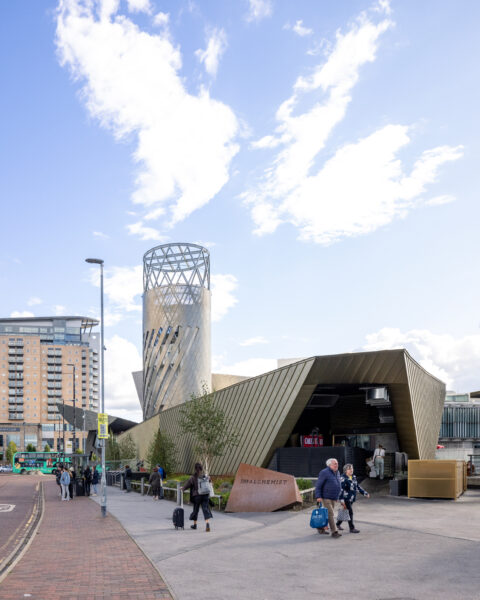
x=102 y=426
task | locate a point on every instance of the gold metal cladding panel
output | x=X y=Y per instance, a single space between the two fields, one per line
x=427 y=400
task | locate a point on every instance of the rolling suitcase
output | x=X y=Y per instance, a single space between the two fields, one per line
x=178 y=517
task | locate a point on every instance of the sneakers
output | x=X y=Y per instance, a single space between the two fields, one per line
x=207 y=528
x=354 y=530
x=335 y=534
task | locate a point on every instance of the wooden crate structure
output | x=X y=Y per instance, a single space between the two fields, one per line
x=436 y=478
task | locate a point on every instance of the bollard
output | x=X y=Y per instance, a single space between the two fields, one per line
x=142 y=486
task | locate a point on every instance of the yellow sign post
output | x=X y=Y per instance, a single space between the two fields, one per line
x=102 y=426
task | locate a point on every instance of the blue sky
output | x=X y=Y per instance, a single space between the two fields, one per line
x=325 y=151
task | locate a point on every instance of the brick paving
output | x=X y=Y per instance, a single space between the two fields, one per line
x=78 y=554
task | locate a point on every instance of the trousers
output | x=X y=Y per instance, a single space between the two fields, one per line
x=330 y=506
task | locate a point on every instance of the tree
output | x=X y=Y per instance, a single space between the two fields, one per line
x=112 y=451
x=210 y=428
x=162 y=451
x=47 y=448
x=12 y=448
x=31 y=448
x=127 y=447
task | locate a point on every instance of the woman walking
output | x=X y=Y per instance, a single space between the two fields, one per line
x=154 y=481
x=95 y=480
x=65 y=482
x=348 y=495
x=199 y=495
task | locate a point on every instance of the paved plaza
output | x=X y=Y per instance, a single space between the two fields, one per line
x=408 y=549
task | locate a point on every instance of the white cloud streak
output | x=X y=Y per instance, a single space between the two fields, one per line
x=20 y=314
x=259 y=9
x=363 y=186
x=123 y=287
x=456 y=361
x=223 y=298
x=248 y=368
x=131 y=84
x=254 y=341
x=216 y=46
x=299 y=28
x=145 y=233
x=34 y=300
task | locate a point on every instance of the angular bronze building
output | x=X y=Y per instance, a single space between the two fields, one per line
x=353 y=400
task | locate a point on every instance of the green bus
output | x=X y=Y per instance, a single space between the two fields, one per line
x=46 y=462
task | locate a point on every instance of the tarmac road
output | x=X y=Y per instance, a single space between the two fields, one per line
x=18 y=494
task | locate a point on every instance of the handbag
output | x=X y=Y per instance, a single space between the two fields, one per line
x=343 y=515
x=319 y=517
x=211 y=491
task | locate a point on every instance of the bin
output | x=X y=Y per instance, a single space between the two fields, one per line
x=79 y=487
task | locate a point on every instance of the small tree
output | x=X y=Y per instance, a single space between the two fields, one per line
x=31 y=448
x=12 y=448
x=127 y=447
x=112 y=451
x=162 y=451
x=210 y=428
x=47 y=448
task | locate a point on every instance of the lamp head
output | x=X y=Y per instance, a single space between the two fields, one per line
x=94 y=261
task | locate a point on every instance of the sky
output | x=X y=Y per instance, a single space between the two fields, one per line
x=324 y=151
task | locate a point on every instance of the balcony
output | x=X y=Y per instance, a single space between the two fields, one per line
x=15 y=368
x=16 y=377
x=15 y=416
x=15 y=352
x=54 y=361
x=15 y=344
x=18 y=383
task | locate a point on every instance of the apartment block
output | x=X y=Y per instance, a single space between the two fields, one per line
x=44 y=362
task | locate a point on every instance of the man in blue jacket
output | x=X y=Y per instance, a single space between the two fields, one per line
x=327 y=491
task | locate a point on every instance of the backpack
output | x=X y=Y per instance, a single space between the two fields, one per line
x=203 y=485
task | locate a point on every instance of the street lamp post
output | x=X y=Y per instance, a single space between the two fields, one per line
x=74 y=411
x=103 y=481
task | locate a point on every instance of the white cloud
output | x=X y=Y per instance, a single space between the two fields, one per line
x=123 y=287
x=20 y=314
x=456 y=361
x=259 y=9
x=121 y=358
x=364 y=185
x=139 y=6
x=440 y=200
x=249 y=367
x=223 y=299
x=161 y=19
x=254 y=341
x=100 y=235
x=132 y=85
x=216 y=46
x=59 y=310
x=34 y=300
x=299 y=28
x=145 y=233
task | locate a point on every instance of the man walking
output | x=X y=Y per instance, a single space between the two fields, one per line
x=327 y=492
x=379 y=460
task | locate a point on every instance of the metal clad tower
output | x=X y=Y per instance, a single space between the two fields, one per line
x=176 y=325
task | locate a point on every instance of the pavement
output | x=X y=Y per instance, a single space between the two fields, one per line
x=408 y=549
x=78 y=554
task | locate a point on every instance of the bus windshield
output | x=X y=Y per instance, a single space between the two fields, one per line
x=46 y=462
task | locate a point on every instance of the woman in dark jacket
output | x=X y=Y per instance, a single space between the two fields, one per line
x=154 y=481
x=95 y=480
x=348 y=495
x=197 y=498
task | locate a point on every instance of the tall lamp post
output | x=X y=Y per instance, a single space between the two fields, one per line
x=74 y=409
x=103 y=481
